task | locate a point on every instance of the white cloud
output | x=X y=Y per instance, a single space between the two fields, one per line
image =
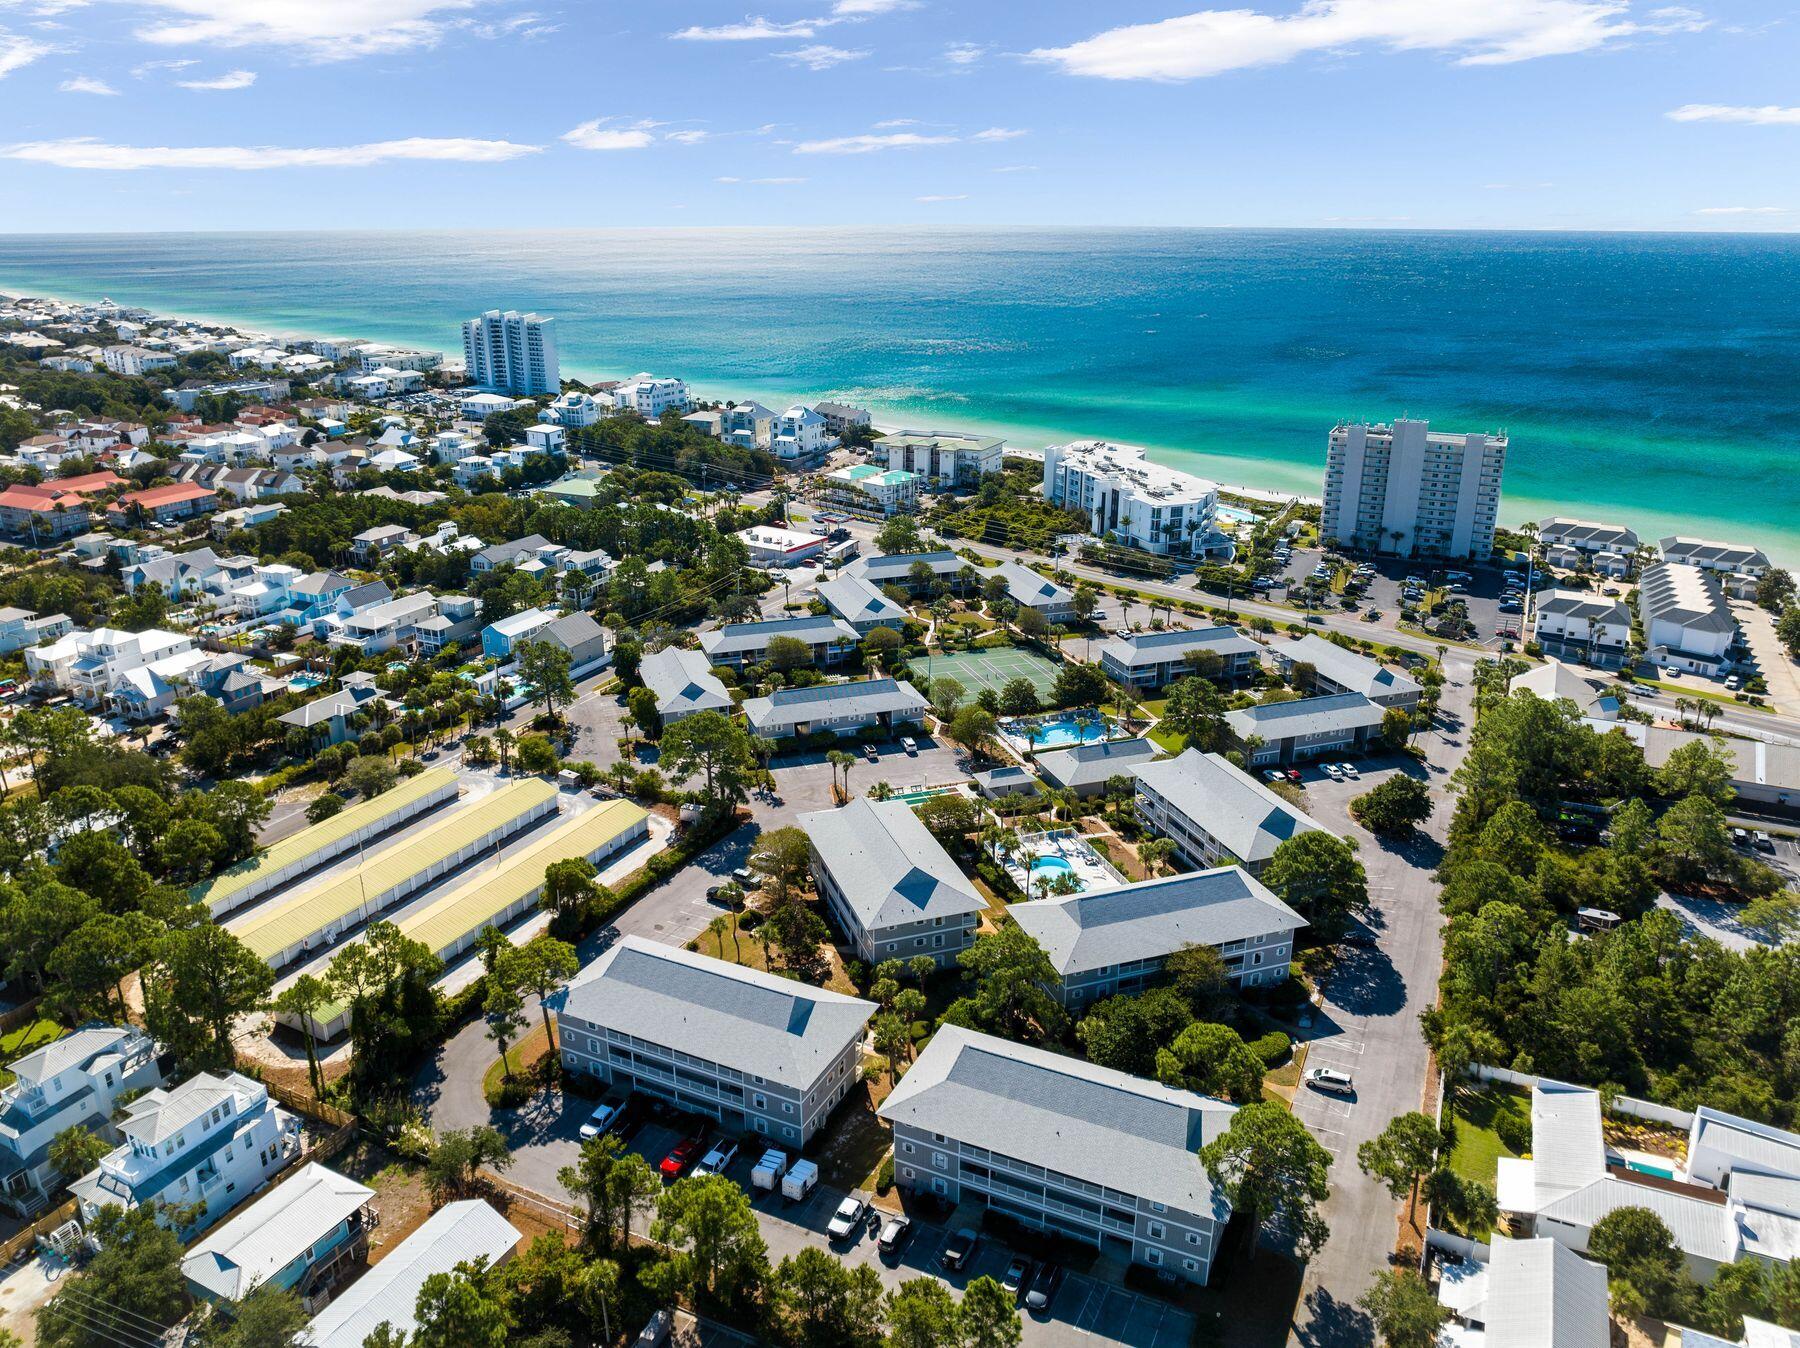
x=898 y=140
x=18 y=51
x=88 y=153
x=1477 y=32
x=1718 y=112
x=964 y=53
x=319 y=30
x=147 y=67
x=688 y=137
x=1742 y=210
x=893 y=122
x=611 y=133
x=819 y=56
x=87 y=84
x=231 y=79
x=751 y=30
x=868 y=9
x=997 y=133
x=959 y=196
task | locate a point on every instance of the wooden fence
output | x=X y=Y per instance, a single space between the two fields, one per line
x=43 y=1226
x=19 y=1015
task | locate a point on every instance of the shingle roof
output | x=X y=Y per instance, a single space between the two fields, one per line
x=1155 y=648
x=759 y=1023
x=738 y=637
x=1543 y=1295
x=889 y=867
x=1027 y=587
x=1703 y=552
x=454 y=1234
x=1244 y=816
x=855 y=600
x=1087 y=764
x=683 y=682
x=1352 y=671
x=1305 y=716
x=1685 y=595
x=1154 y=918
x=868 y=697
x=896 y=566
x=1106 y=1127
x=274 y=1231
x=1592 y=608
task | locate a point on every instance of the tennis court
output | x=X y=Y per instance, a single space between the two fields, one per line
x=976 y=670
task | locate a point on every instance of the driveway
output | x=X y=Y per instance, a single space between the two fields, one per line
x=1779 y=671
x=1368 y=1024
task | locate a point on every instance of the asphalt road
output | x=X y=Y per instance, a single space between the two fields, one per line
x=1369 y=1026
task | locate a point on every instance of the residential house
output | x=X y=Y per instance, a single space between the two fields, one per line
x=892 y=889
x=146 y=691
x=329 y=719
x=457 y=621
x=162 y=505
x=1215 y=814
x=20 y=627
x=842 y=708
x=499 y=638
x=316 y=595
x=746 y=425
x=579 y=635
x=1110 y=942
x=649 y=397
x=304 y=1236
x=1152 y=659
x=1581 y=625
x=574 y=410
x=1085 y=769
x=385 y=626
x=736 y=645
x=458 y=1233
x=75 y=1081
x=1760 y=773
x=373 y=544
x=1554 y=681
x=1307 y=727
x=546 y=438
x=1529 y=1294
x=757 y=1052
x=861 y=604
x=842 y=418
x=800 y=435
x=91 y=665
x=683 y=683
x=42 y=514
x=515 y=553
x=212 y=1141
x=1337 y=669
x=579 y=489
x=1060 y=1145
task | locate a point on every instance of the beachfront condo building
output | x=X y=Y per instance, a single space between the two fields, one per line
x=945 y=459
x=1136 y=503
x=512 y=353
x=1402 y=489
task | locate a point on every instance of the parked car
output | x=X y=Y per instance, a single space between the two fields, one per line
x=1041 y=1290
x=604 y=1119
x=870 y=753
x=1330 y=1080
x=908 y=743
x=683 y=1155
x=718 y=1159
x=959 y=1247
x=1274 y=775
x=1764 y=843
x=894 y=1233
x=1740 y=837
x=847 y=1220
x=1733 y=683
x=1350 y=770
x=745 y=877
x=1333 y=771
x=657 y=1331
x=1293 y=775
x=1017 y=1274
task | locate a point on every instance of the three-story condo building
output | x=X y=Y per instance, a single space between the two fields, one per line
x=893 y=890
x=1106 y=942
x=1151 y=659
x=73 y=1082
x=828 y=640
x=1215 y=814
x=757 y=1052
x=1061 y=1145
x=211 y=1141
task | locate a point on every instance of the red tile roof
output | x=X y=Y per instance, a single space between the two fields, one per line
x=153 y=497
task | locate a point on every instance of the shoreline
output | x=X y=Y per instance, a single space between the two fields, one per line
x=1525 y=508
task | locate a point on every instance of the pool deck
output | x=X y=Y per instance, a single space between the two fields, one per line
x=1091 y=869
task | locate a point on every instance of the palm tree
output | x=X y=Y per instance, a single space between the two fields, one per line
x=1155 y=853
x=839 y=760
x=504 y=740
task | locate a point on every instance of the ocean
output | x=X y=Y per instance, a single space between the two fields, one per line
x=1652 y=380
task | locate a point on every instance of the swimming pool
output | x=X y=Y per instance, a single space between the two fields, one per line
x=1050 y=867
x=1062 y=731
x=1233 y=515
x=1644 y=1168
x=301 y=682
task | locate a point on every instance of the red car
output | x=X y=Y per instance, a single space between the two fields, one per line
x=686 y=1152
x=1294 y=775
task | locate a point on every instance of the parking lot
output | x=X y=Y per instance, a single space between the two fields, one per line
x=1382 y=592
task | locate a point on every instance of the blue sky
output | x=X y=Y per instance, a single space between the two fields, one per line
x=1561 y=114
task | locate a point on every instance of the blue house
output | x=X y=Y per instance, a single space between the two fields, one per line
x=305 y=1235
x=499 y=638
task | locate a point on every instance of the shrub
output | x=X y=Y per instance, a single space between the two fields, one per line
x=1273 y=1049
x=884 y=1177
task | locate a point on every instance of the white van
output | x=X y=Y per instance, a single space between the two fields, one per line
x=1331 y=1080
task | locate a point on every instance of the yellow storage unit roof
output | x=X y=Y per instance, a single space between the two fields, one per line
x=291 y=921
x=318 y=837
x=469 y=906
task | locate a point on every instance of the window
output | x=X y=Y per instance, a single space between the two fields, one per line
x=1156 y=1230
x=1159 y=1207
x=939 y=1161
x=939 y=1187
x=1191 y=1265
x=786 y=1108
x=1153 y=1257
x=759 y=1101
x=1193 y=1237
x=906 y=1148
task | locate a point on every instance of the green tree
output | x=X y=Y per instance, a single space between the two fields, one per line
x=543 y=965
x=719 y=750
x=881 y=647
x=267 y=1317
x=788 y=653
x=370 y=775
x=898 y=535
x=386 y=979
x=1402 y=1154
x=1317 y=875
x=1125 y=1033
x=131 y=1285
x=1694 y=841
x=323 y=807
x=1396 y=728
x=76 y=1150
x=921 y=1313
x=1211 y=1060
x=947 y=695
x=1274 y=1172
x=974 y=728
x=1196 y=711
x=612 y=1184
x=545 y=666
x=1787 y=630
x=1644 y=1266
x=199 y=981
x=708 y=1220
x=536 y=754
x=503 y=1009
x=1011 y=976
x=783 y=857
x=86 y=970
x=457 y=1157
x=303 y=999
x=1394 y=808
x=822 y=1303
x=1018 y=697
x=1698 y=768
x=569 y=887
x=988 y=1316
x=1405 y=1309
x=1470 y=1204
x=1200 y=977
x=465 y=1308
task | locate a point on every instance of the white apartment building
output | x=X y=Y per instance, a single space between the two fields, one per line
x=1140 y=504
x=1587 y=536
x=945 y=459
x=800 y=433
x=863 y=486
x=1403 y=489
x=1687 y=622
x=512 y=352
x=91 y=665
x=1581 y=625
x=1740 y=559
x=649 y=396
x=211 y=1141
x=73 y=1082
x=134 y=360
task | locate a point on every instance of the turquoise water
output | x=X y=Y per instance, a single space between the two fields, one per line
x=1649 y=379
x=1050 y=866
x=1063 y=731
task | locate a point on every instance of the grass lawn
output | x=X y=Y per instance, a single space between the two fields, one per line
x=522 y=1054
x=746 y=950
x=1690 y=690
x=20 y=1040
x=1168 y=740
x=1476 y=1115
x=1281 y=1083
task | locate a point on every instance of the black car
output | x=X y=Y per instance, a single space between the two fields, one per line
x=1041 y=1290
